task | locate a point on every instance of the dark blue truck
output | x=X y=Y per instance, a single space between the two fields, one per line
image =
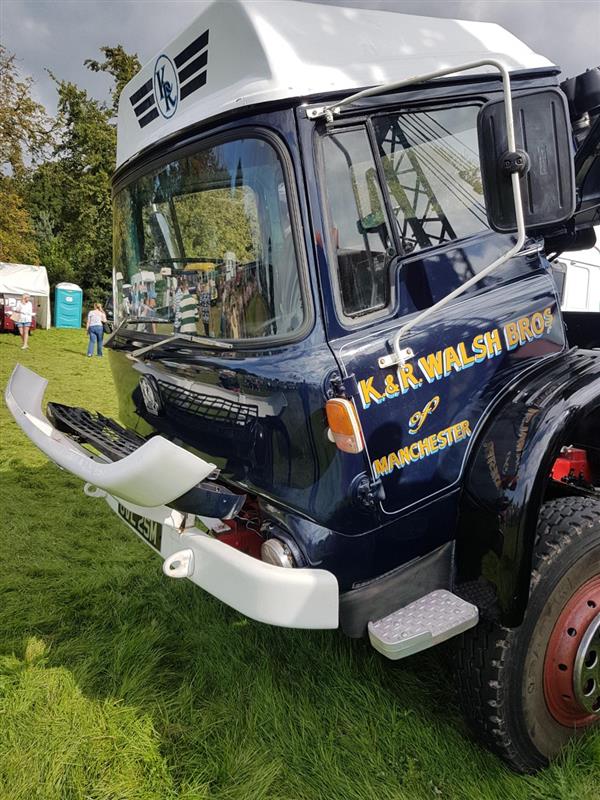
x=348 y=395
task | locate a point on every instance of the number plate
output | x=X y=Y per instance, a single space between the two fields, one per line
x=148 y=529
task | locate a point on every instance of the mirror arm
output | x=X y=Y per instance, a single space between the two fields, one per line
x=399 y=356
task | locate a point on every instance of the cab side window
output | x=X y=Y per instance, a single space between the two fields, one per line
x=400 y=184
x=360 y=232
x=430 y=161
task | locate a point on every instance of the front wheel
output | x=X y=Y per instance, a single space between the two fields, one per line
x=526 y=691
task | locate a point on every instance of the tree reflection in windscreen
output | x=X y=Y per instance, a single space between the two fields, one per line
x=204 y=245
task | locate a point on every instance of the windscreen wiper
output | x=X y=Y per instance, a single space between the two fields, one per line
x=114 y=332
x=186 y=337
x=126 y=320
x=147 y=319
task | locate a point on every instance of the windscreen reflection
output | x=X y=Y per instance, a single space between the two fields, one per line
x=203 y=245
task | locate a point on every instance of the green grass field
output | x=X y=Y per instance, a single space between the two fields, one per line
x=119 y=684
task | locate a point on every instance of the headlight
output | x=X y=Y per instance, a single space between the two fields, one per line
x=273 y=551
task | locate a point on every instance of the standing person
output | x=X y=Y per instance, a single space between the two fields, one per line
x=22 y=316
x=143 y=310
x=204 y=302
x=188 y=311
x=179 y=293
x=148 y=309
x=95 y=328
x=125 y=305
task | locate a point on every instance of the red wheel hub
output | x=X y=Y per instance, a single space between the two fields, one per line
x=563 y=669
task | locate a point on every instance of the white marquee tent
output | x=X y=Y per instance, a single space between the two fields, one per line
x=18 y=279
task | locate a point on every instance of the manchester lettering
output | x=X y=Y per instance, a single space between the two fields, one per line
x=417 y=451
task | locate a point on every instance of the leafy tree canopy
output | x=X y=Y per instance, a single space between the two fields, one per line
x=25 y=128
x=120 y=65
x=18 y=242
x=56 y=174
x=26 y=135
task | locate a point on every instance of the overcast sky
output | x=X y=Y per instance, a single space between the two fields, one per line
x=61 y=34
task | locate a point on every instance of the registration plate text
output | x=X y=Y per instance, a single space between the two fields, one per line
x=148 y=529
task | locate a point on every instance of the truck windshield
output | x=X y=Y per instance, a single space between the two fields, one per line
x=203 y=245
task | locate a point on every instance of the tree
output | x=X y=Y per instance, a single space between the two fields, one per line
x=25 y=137
x=17 y=236
x=55 y=175
x=25 y=128
x=121 y=65
x=70 y=194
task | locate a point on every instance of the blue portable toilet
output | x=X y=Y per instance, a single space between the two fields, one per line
x=68 y=305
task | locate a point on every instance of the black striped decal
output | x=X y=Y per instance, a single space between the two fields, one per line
x=197 y=83
x=192 y=75
x=143 y=101
x=193 y=67
x=149 y=117
x=141 y=92
x=191 y=50
x=144 y=105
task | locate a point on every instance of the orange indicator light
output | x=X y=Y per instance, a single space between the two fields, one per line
x=344 y=427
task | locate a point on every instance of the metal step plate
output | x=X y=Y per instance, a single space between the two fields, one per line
x=431 y=619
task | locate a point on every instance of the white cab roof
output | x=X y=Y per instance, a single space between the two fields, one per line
x=239 y=53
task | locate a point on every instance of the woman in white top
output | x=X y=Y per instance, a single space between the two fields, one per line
x=23 y=314
x=95 y=328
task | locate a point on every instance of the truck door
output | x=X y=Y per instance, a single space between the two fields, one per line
x=406 y=225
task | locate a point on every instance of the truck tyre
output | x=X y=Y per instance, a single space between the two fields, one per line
x=526 y=691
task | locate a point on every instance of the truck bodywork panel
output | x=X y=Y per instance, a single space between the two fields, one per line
x=509 y=471
x=269 y=435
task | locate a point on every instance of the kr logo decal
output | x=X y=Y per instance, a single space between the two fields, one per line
x=166 y=86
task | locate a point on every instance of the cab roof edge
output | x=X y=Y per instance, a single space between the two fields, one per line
x=330 y=111
x=195 y=78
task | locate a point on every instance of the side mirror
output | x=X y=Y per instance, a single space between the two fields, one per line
x=543 y=159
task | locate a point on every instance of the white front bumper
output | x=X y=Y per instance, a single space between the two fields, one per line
x=155 y=474
x=290 y=598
